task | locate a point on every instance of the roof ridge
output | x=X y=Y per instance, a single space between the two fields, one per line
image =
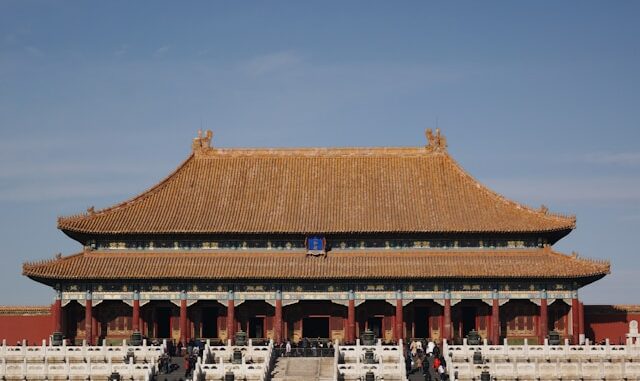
x=48 y=261
x=578 y=258
x=7 y=307
x=542 y=212
x=315 y=151
x=92 y=213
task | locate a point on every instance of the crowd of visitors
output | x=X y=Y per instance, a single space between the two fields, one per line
x=424 y=356
x=189 y=354
x=305 y=347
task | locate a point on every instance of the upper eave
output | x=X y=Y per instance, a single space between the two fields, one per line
x=317 y=190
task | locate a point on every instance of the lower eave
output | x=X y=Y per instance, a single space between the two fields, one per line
x=353 y=265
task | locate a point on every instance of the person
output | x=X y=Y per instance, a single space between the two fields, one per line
x=430 y=368
x=287 y=350
x=436 y=349
x=187 y=366
x=408 y=360
x=418 y=363
x=419 y=347
x=414 y=348
x=430 y=346
x=442 y=369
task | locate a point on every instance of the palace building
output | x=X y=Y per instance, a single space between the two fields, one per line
x=318 y=242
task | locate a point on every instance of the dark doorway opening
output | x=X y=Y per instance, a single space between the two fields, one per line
x=375 y=325
x=313 y=327
x=468 y=319
x=163 y=321
x=256 y=328
x=72 y=321
x=421 y=316
x=209 y=322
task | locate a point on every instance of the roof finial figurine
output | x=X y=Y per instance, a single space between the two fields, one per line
x=91 y=210
x=202 y=142
x=429 y=133
x=437 y=141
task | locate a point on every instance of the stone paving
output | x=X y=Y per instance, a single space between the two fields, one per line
x=177 y=374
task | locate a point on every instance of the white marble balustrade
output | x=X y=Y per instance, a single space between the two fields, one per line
x=390 y=361
x=217 y=361
x=81 y=353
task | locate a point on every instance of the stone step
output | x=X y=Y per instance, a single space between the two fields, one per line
x=303 y=368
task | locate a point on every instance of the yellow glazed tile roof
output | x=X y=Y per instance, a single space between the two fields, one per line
x=318 y=190
x=295 y=264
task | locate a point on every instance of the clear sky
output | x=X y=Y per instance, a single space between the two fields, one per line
x=538 y=100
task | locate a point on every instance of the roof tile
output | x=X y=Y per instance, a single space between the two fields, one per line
x=331 y=190
x=359 y=264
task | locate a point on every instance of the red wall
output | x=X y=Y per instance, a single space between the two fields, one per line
x=610 y=322
x=600 y=322
x=32 y=327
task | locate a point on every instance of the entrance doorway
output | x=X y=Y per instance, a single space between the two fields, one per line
x=313 y=327
x=256 y=327
x=421 y=320
x=375 y=325
x=163 y=321
x=209 y=322
x=468 y=319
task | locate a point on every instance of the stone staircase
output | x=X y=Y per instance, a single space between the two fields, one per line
x=303 y=369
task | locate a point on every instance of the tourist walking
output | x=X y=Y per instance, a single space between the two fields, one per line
x=287 y=349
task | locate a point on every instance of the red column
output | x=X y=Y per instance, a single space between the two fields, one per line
x=183 y=317
x=95 y=333
x=495 y=319
x=446 y=326
x=399 y=318
x=575 y=317
x=581 y=328
x=351 y=319
x=277 y=328
x=88 y=318
x=56 y=312
x=543 y=321
x=231 y=319
x=135 y=318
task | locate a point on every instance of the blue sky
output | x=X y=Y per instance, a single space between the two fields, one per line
x=538 y=100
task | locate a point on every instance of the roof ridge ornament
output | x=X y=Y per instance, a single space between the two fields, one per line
x=202 y=143
x=435 y=142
